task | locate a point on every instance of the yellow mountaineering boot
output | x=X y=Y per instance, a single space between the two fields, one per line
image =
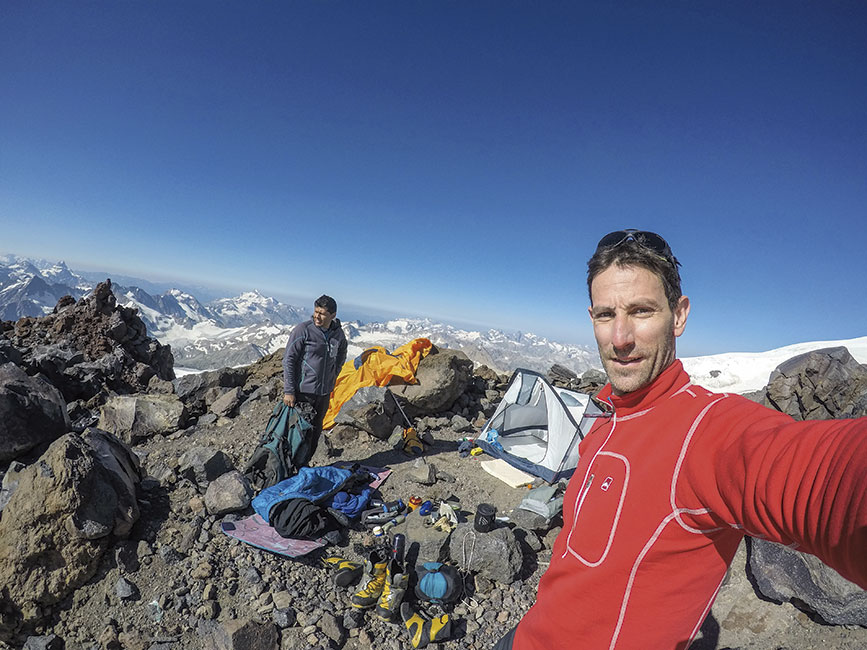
x=412 y=444
x=372 y=582
x=396 y=581
x=423 y=631
x=346 y=572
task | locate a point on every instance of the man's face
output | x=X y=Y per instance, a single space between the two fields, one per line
x=634 y=327
x=322 y=317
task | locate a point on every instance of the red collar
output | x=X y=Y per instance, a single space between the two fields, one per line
x=669 y=381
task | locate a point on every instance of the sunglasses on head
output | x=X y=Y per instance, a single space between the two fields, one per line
x=649 y=240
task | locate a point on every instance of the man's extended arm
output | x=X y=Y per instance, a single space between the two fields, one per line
x=792 y=482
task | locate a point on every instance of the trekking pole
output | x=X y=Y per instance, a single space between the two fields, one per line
x=399 y=408
x=409 y=440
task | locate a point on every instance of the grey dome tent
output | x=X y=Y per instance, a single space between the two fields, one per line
x=537 y=427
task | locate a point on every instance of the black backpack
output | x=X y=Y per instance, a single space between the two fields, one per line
x=285 y=446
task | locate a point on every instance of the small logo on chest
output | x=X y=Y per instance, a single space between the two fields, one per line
x=606 y=484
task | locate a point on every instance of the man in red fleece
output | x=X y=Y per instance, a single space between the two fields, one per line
x=668 y=485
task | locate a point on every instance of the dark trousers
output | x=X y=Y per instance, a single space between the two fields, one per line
x=320 y=405
x=506 y=642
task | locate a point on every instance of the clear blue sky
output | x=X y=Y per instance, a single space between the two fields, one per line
x=452 y=159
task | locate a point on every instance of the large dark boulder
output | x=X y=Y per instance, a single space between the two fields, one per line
x=443 y=376
x=200 y=390
x=32 y=412
x=819 y=385
x=785 y=575
x=372 y=409
x=134 y=418
x=496 y=554
x=58 y=523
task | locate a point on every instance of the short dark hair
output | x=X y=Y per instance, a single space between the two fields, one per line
x=326 y=302
x=632 y=253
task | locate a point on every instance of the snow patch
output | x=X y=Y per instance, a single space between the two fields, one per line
x=744 y=372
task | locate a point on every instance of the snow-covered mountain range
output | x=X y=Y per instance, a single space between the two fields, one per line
x=33 y=287
x=239 y=330
x=494 y=348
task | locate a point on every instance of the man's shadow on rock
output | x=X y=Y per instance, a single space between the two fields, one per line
x=709 y=636
x=155 y=507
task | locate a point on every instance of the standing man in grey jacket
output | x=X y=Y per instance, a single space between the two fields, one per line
x=314 y=356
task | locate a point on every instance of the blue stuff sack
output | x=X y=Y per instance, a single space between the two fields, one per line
x=437 y=583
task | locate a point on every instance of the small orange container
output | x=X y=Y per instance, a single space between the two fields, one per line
x=414 y=502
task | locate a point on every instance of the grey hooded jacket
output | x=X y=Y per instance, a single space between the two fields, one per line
x=313 y=358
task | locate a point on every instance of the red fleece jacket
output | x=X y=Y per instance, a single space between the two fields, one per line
x=663 y=493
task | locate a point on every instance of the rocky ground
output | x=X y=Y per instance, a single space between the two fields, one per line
x=175 y=581
x=187 y=579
